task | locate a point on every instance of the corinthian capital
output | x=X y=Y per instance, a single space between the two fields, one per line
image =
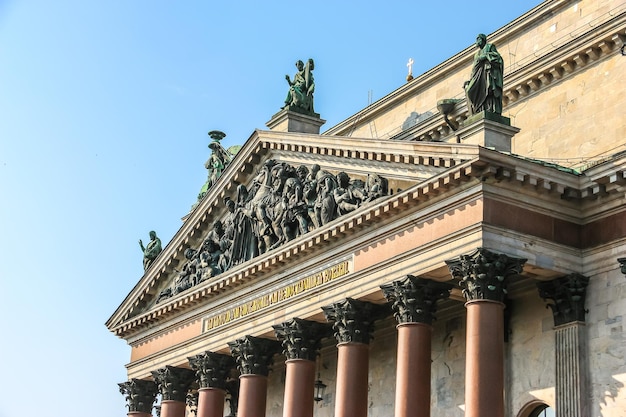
x=140 y=394
x=414 y=299
x=354 y=319
x=212 y=369
x=483 y=274
x=173 y=382
x=301 y=339
x=568 y=297
x=254 y=355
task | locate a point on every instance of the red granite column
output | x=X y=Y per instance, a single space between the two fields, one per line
x=212 y=371
x=484 y=359
x=301 y=341
x=252 y=395
x=414 y=303
x=211 y=402
x=254 y=357
x=174 y=384
x=173 y=408
x=140 y=396
x=353 y=325
x=483 y=276
x=413 y=370
x=352 y=379
x=299 y=388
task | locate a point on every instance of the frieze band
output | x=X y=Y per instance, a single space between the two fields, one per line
x=277 y=296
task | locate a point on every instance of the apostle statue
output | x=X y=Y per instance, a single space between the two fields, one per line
x=484 y=89
x=300 y=94
x=151 y=250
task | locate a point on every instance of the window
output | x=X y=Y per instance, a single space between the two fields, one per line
x=542 y=411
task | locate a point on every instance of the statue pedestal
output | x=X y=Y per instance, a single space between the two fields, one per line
x=288 y=120
x=487 y=129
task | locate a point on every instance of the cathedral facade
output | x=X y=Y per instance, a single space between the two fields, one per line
x=436 y=254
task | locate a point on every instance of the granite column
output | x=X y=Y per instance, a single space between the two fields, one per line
x=353 y=322
x=414 y=302
x=301 y=340
x=484 y=275
x=212 y=370
x=253 y=356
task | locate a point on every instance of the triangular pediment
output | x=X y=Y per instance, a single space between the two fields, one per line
x=386 y=177
x=370 y=171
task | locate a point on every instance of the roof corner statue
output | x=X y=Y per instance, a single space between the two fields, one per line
x=151 y=250
x=300 y=95
x=217 y=162
x=484 y=88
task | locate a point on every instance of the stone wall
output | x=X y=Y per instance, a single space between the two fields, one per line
x=606 y=302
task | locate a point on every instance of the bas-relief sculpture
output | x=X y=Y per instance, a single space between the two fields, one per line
x=300 y=94
x=484 y=88
x=281 y=203
x=151 y=250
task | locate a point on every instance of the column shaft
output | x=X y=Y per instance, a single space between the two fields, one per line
x=352 y=376
x=252 y=395
x=484 y=360
x=413 y=370
x=172 y=408
x=211 y=402
x=299 y=388
x=570 y=370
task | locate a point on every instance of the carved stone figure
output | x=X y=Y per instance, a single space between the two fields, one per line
x=347 y=197
x=187 y=277
x=151 y=250
x=281 y=203
x=244 y=237
x=300 y=94
x=484 y=88
x=325 y=205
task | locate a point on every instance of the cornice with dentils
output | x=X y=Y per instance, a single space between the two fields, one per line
x=486 y=164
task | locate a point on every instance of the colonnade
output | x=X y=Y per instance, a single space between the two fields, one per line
x=483 y=277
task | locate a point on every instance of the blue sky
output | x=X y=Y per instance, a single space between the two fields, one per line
x=104 y=112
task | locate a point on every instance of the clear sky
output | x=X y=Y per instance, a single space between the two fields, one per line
x=104 y=112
